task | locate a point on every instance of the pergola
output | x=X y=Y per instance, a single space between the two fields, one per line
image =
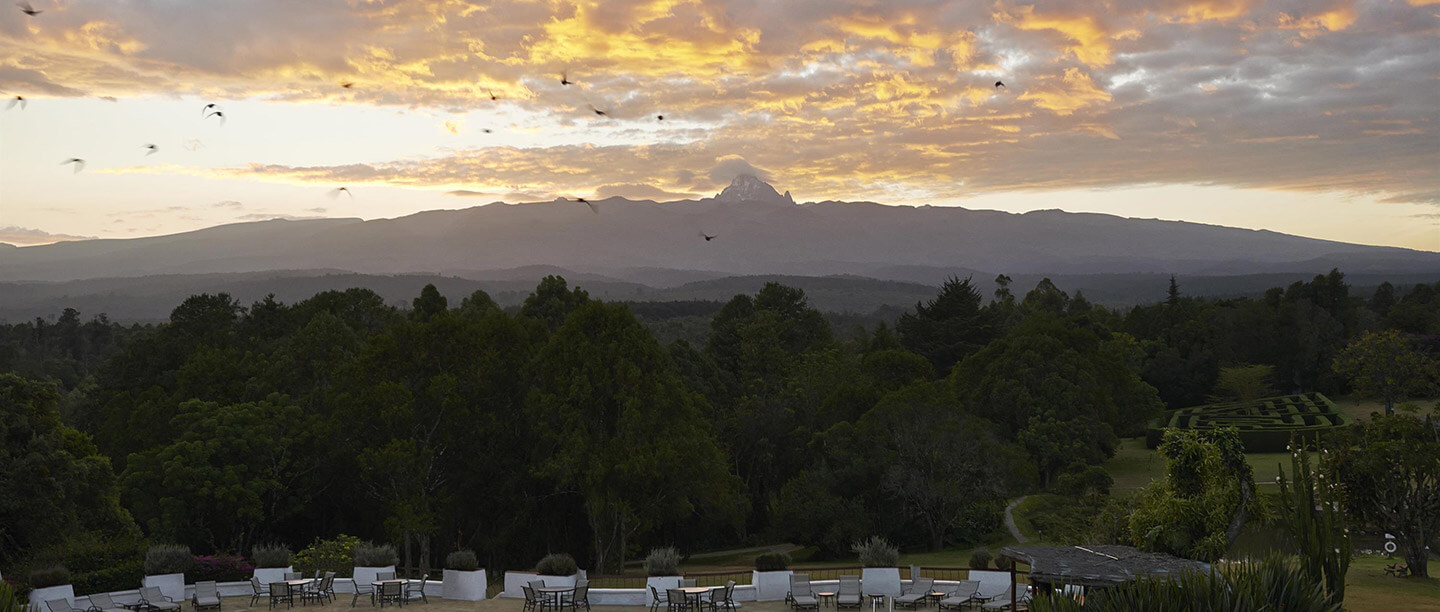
x=1096 y=566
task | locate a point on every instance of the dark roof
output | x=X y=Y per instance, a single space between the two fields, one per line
x=1099 y=565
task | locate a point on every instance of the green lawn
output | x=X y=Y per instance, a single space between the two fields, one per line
x=1368 y=589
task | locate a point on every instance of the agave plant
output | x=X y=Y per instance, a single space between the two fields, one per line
x=1317 y=524
x=1277 y=583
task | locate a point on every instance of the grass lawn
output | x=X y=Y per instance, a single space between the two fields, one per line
x=1368 y=589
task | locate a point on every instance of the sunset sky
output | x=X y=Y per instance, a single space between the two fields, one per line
x=1312 y=117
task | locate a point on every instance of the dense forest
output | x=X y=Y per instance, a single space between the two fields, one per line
x=565 y=425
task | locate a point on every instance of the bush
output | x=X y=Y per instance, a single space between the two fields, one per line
x=271 y=555
x=876 y=552
x=772 y=562
x=167 y=559
x=1003 y=564
x=1273 y=584
x=370 y=555
x=663 y=562
x=462 y=560
x=980 y=559
x=49 y=576
x=336 y=555
x=98 y=563
x=11 y=600
x=221 y=568
x=557 y=564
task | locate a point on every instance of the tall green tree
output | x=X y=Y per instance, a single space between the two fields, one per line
x=950 y=327
x=1387 y=365
x=615 y=426
x=1207 y=496
x=1388 y=469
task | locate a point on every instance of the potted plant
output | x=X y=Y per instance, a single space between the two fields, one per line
x=464 y=579
x=50 y=583
x=272 y=562
x=371 y=560
x=771 y=576
x=662 y=569
x=880 y=562
x=165 y=566
x=558 y=570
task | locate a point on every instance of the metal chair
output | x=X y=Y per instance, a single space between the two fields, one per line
x=206 y=596
x=391 y=592
x=658 y=600
x=413 y=592
x=362 y=589
x=280 y=592
x=259 y=590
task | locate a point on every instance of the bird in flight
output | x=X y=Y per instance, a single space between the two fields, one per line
x=493 y=97
x=18 y=100
x=79 y=163
x=593 y=208
x=152 y=150
x=27 y=9
x=487 y=130
x=335 y=193
x=347 y=85
x=706 y=236
x=209 y=107
x=217 y=114
x=192 y=145
x=999 y=84
x=659 y=117
x=597 y=111
x=565 y=80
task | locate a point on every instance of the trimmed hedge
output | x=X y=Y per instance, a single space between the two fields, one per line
x=557 y=564
x=772 y=562
x=1265 y=425
x=462 y=560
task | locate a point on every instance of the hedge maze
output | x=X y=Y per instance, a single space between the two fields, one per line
x=1265 y=424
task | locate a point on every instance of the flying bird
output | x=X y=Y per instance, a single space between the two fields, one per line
x=493 y=97
x=18 y=100
x=217 y=114
x=79 y=163
x=27 y=9
x=659 y=117
x=487 y=130
x=593 y=208
x=152 y=150
x=999 y=84
x=347 y=84
x=192 y=145
x=597 y=111
x=335 y=193
x=209 y=107
x=706 y=236
x=565 y=80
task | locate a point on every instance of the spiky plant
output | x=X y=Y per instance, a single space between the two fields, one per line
x=1317 y=523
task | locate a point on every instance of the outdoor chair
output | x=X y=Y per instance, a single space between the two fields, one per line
x=206 y=596
x=962 y=596
x=320 y=590
x=689 y=582
x=1003 y=601
x=61 y=605
x=793 y=579
x=801 y=596
x=849 y=594
x=294 y=575
x=657 y=600
x=531 y=604
x=724 y=598
x=917 y=593
x=580 y=598
x=982 y=595
x=259 y=590
x=327 y=586
x=677 y=600
x=155 y=600
x=383 y=576
x=362 y=589
x=413 y=592
x=542 y=599
x=280 y=592
x=102 y=602
x=391 y=593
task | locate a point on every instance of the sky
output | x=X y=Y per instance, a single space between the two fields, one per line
x=1312 y=117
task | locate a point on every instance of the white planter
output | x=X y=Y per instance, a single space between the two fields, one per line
x=991 y=580
x=771 y=586
x=465 y=585
x=268 y=575
x=515 y=580
x=880 y=581
x=38 y=597
x=366 y=575
x=171 y=585
x=660 y=583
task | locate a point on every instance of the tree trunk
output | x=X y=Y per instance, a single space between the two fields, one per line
x=424 y=555
x=1416 y=558
x=1242 y=513
x=405 y=564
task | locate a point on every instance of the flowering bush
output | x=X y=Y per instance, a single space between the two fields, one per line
x=221 y=568
x=335 y=555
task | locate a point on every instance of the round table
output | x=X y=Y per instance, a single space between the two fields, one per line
x=824 y=595
x=554 y=593
x=696 y=592
x=400 y=581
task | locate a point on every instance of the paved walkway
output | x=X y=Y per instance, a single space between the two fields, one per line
x=1010 y=520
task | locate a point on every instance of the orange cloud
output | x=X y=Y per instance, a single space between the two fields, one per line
x=1074 y=91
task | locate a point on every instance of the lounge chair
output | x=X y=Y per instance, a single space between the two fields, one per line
x=259 y=590
x=362 y=589
x=413 y=592
x=801 y=596
x=61 y=605
x=849 y=594
x=961 y=596
x=916 y=595
x=657 y=600
x=281 y=593
x=1003 y=601
x=982 y=595
x=155 y=600
x=206 y=596
x=102 y=602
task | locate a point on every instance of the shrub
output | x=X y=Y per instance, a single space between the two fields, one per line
x=1273 y=584
x=876 y=552
x=335 y=555
x=167 y=559
x=1003 y=564
x=221 y=568
x=557 y=564
x=271 y=555
x=462 y=560
x=50 y=576
x=772 y=562
x=98 y=563
x=11 y=600
x=980 y=559
x=663 y=562
x=371 y=555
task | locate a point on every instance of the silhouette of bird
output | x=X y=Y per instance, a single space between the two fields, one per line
x=192 y=145
x=706 y=236
x=79 y=163
x=593 y=208
x=347 y=85
x=565 y=80
x=208 y=108
x=493 y=97
x=18 y=100
x=487 y=130
x=659 y=117
x=217 y=114
x=27 y=9
x=335 y=193
x=597 y=111
x=152 y=150
x=999 y=84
